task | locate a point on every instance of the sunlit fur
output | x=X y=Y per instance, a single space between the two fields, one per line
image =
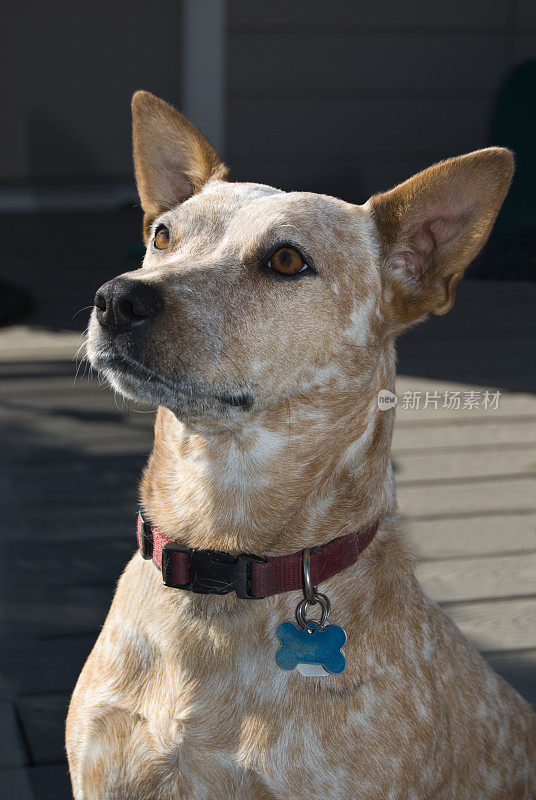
x=181 y=696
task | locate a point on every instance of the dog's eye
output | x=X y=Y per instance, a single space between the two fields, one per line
x=287 y=261
x=161 y=238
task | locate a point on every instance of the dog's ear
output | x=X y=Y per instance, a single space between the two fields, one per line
x=432 y=226
x=172 y=159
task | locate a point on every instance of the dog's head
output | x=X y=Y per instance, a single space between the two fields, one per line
x=249 y=295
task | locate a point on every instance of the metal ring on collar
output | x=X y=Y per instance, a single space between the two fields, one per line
x=308 y=588
x=301 y=611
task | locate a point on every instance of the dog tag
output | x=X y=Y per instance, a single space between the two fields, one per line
x=312 y=645
x=312 y=670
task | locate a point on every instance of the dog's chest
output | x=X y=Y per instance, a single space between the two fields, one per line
x=300 y=737
x=225 y=723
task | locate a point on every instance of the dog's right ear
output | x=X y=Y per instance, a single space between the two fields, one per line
x=172 y=159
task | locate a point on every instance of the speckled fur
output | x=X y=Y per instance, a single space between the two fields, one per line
x=180 y=697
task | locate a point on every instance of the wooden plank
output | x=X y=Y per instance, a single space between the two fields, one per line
x=50 y=375
x=64 y=395
x=41 y=611
x=54 y=447
x=38 y=369
x=12 y=750
x=464 y=434
x=70 y=438
x=74 y=496
x=41 y=666
x=61 y=485
x=479 y=578
x=79 y=422
x=15 y=785
x=34 y=465
x=519 y=669
x=79 y=489
x=50 y=782
x=43 y=719
x=497 y=625
x=90 y=521
x=458 y=464
x=53 y=564
x=19 y=343
x=455 y=537
x=472 y=497
x=56 y=391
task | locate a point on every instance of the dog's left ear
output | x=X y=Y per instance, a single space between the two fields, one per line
x=172 y=159
x=433 y=225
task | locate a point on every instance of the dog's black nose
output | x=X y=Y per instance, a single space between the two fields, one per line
x=123 y=304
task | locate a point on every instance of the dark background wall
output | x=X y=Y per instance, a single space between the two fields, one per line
x=340 y=96
x=353 y=96
x=69 y=70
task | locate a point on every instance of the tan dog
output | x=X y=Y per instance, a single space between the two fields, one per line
x=263 y=324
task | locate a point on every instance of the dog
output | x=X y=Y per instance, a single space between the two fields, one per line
x=263 y=326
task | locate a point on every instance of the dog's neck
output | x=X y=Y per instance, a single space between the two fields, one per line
x=297 y=475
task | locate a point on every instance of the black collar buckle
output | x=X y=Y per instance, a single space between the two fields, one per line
x=146 y=546
x=211 y=571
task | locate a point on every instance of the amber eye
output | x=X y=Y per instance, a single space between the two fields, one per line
x=161 y=238
x=287 y=261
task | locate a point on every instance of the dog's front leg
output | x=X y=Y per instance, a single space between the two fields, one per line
x=110 y=755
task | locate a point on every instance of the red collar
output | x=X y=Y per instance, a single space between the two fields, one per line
x=212 y=572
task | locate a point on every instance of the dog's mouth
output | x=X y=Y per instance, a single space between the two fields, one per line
x=140 y=383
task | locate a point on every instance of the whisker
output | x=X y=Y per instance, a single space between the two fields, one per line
x=81 y=361
x=86 y=308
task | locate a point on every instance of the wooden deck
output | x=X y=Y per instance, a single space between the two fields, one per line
x=70 y=462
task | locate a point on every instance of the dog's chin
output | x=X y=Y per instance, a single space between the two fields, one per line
x=144 y=386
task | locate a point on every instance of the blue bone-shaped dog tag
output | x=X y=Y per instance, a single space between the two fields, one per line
x=319 y=646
